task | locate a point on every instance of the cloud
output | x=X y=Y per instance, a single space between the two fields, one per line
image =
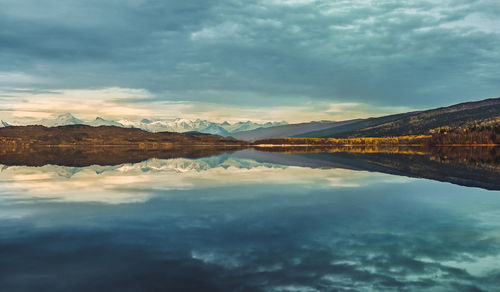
x=410 y=54
x=268 y=237
x=292 y=2
x=23 y=106
x=14 y=78
x=221 y=31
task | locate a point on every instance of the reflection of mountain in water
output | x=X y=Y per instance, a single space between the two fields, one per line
x=467 y=166
x=178 y=165
x=87 y=156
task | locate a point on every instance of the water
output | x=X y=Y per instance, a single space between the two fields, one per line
x=238 y=222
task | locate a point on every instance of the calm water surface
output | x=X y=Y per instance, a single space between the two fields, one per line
x=232 y=223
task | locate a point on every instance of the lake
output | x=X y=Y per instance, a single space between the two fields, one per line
x=252 y=221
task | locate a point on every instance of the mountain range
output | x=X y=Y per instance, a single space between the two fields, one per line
x=198 y=125
x=464 y=115
x=158 y=125
x=460 y=116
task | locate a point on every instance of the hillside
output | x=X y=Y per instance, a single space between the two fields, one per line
x=481 y=135
x=287 y=130
x=350 y=127
x=464 y=115
x=104 y=135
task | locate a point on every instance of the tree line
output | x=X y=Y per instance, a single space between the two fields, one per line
x=467 y=136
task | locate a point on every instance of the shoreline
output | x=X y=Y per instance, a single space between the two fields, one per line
x=378 y=145
x=174 y=145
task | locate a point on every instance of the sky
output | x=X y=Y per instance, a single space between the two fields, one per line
x=269 y=60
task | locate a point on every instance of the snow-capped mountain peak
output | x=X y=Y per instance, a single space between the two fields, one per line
x=102 y=122
x=61 y=120
x=181 y=125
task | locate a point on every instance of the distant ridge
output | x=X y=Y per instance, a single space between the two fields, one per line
x=469 y=114
x=464 y=115
x=359 y=124
x=156 y=125
x=287 y=130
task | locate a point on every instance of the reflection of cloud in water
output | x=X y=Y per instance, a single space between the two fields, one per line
x=137 y=182
x=264 y=236
x=224 y=223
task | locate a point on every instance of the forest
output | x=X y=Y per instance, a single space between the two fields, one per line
x=478 y=135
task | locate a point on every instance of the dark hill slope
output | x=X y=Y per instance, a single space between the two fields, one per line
x=360 y=124
x=464 y=115
x=287 y=130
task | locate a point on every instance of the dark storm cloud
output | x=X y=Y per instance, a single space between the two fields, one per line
x=412 y=53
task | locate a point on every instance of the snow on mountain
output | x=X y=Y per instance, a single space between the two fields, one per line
x=131 y=124
x=160 y=125
x=61 y=120
x=176 y=125
x=249 y=125
x=102 y=122
x=202 y=126
x=216 y=130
